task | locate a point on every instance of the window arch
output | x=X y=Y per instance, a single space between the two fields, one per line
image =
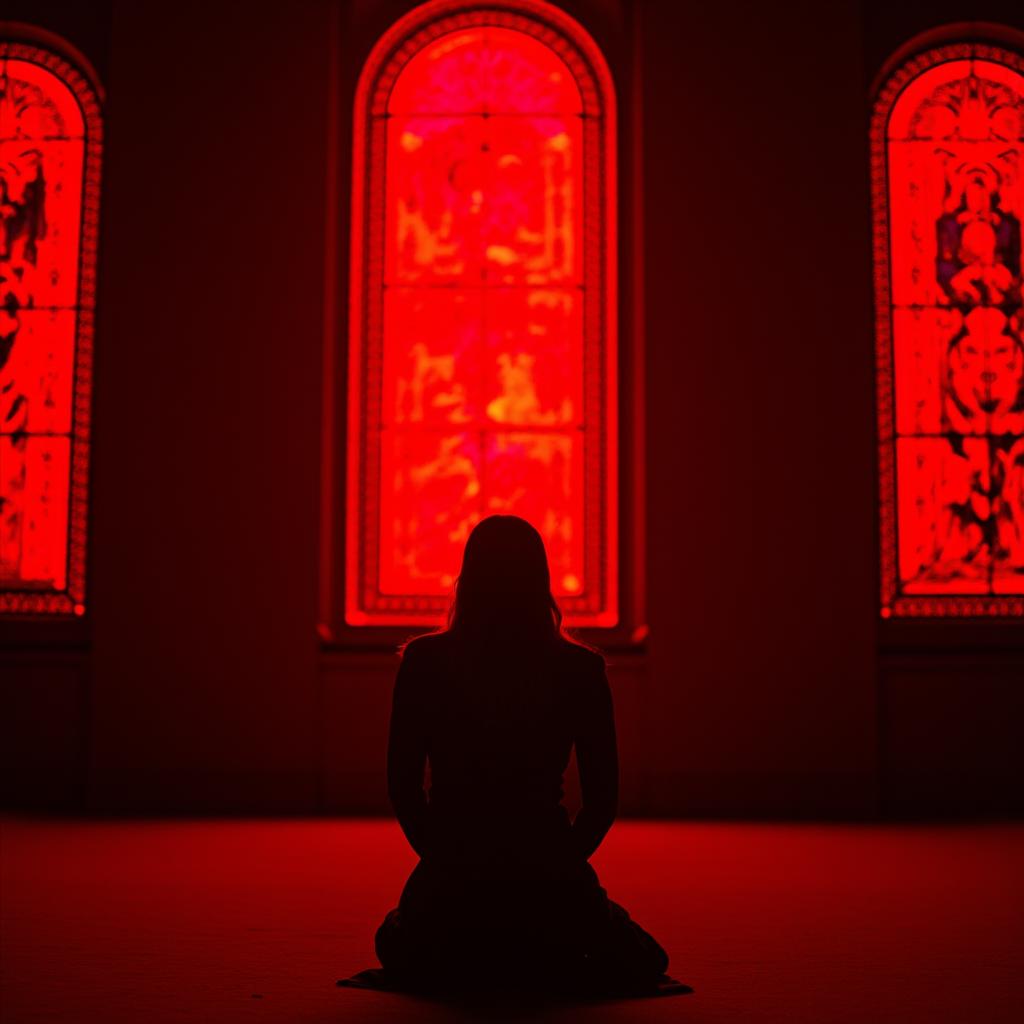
x=947 y=141
x=482 y=342
x=50 y=143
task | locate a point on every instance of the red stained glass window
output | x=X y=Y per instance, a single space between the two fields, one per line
x=482 y=368
x=948 y=160
x=50 y=132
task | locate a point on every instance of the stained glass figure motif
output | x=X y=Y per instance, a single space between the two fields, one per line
x=948 y=157
x=49 y=187
x=482 y=367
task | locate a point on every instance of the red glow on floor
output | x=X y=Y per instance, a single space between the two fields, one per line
x=482 y=362
x=170 y=921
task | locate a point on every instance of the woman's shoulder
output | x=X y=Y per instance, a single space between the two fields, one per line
x=425 y=646
x=583 y=659
x=577 y=658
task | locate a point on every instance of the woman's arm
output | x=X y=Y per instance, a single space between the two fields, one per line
x=598 y=762
x=407 y=750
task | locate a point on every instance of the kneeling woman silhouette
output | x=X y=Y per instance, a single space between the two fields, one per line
x=503 y=896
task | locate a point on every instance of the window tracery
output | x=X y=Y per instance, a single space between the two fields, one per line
x=482 y=368
x=948 y=141
x=50 y=142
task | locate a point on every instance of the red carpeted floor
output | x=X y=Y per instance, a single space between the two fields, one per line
x=254 y=921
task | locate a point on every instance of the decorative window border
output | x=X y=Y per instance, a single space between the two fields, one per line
x=894 y=604
x=406 y=37
x=71 y=601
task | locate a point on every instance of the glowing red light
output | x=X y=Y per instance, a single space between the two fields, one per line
x=948 y=151
x=49 y=180
x=482 y=363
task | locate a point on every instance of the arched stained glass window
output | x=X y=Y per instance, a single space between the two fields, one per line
x=50 y=136
x=482 y=366
x=948 y=182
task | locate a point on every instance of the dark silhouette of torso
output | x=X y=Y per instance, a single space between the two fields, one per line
x=497 y=721
x=503 y=882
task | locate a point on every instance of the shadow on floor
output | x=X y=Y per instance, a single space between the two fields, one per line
x=491 y=998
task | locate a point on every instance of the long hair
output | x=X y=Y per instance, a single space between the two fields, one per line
x=504 y=583
x=503 y=589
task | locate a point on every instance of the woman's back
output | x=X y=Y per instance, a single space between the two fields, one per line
x=497 y=721
x=493 y=706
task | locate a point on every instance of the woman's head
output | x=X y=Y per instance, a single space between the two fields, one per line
x=504 y=584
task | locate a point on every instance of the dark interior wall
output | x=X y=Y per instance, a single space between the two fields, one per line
x=207 y=430
x=762 y=592
x=198 y=681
